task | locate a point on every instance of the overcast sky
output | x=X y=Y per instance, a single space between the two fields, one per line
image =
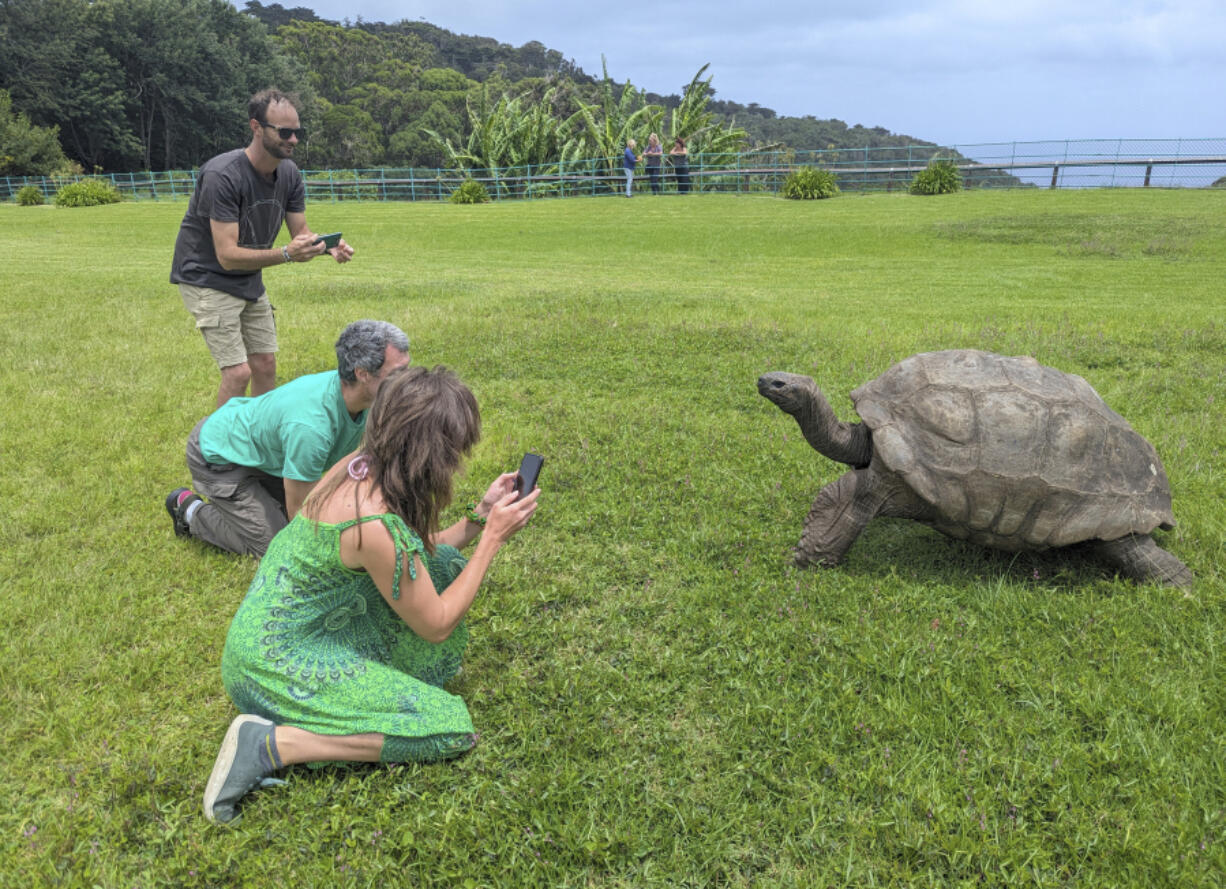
x=957 y=72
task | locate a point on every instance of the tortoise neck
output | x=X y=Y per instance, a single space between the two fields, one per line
x=848 y=443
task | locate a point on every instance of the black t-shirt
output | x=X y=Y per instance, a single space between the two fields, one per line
x=229 y=189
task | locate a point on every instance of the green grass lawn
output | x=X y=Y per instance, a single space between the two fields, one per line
x=662 y=699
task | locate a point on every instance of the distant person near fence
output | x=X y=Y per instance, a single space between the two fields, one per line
x=226 y=239
x=679 y=156
x=654 y=156
x=629 y=160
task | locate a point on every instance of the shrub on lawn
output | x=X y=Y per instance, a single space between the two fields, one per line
x=470 y=192
x=87 y=193
x=809 y=183
x=941 y=177
x=30 y=196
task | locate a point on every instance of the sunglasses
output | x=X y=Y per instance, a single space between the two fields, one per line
x=286 y=132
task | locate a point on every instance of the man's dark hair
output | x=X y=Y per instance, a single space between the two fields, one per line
x=364 y=344
x=257 y=105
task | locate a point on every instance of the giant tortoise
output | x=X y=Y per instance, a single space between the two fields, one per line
x=1001 y=451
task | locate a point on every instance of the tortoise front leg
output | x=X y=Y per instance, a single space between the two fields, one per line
x=845 y=506
x=835 y=520
x=1139 y=557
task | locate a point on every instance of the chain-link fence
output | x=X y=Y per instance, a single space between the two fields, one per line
x=1087 y=163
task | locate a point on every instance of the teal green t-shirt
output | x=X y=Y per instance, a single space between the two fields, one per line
x=295 y=431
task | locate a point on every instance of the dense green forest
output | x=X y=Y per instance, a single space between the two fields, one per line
x=162 y=84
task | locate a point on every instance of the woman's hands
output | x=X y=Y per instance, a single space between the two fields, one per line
x=504 y=516
x=500 y=513
x=509 y=514
x=498 y=489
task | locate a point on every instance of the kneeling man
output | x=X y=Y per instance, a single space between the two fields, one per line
x=256 y=459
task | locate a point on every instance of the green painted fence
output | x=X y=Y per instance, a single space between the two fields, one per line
x=1090 y=163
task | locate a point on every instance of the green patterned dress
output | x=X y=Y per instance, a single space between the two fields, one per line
x=315 y=645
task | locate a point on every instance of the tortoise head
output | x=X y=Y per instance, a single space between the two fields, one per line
x=799 y=396
x=793 y=393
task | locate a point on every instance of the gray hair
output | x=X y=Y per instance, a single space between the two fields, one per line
x=364 y=344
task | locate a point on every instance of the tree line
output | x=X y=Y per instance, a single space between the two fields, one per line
x=133 y=85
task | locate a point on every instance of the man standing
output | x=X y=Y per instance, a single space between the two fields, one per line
x=227 y=237
x=256 y=459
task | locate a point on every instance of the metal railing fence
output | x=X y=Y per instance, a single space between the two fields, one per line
x=1088 y=163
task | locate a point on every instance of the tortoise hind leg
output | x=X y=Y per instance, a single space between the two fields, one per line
x=1139 y=557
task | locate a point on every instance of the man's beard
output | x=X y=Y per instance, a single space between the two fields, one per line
x=278 y=149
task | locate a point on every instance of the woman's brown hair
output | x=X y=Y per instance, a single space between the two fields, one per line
x=421 y=426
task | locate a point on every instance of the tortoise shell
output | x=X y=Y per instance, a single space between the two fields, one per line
x=1013 y=454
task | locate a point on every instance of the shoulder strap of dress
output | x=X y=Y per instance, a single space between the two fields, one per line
x=405 y=541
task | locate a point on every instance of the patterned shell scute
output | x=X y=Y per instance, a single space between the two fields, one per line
x=1011 y=453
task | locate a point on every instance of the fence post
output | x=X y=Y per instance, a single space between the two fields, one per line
x=1148 y=170
x=1055 y=172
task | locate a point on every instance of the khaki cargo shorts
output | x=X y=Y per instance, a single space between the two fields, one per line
x=233 y=328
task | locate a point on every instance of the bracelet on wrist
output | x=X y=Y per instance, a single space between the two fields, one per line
x=473 y=515
x=285 y=253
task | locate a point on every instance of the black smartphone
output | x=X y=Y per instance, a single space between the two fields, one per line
x=529 y=471
x=329 y=241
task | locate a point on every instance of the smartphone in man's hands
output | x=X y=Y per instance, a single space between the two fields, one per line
x=529 y=471
x=329 y=241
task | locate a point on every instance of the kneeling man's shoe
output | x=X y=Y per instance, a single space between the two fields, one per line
x=177 y=502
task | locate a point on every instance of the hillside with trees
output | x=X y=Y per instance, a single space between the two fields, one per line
x=161 y=84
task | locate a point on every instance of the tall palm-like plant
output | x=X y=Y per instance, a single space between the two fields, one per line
x=504 y=133
x=518 y=131
x=601 y=129
x=697 y=125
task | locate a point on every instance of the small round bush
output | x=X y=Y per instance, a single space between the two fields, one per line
x=809 y=183
x=941 y=177
x=87 y=193
x=470 y=192
x=30 y=196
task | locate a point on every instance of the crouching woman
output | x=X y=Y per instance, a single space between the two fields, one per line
x=354 y=621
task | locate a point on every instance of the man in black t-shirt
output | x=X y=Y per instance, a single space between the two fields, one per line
x=226 y=239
